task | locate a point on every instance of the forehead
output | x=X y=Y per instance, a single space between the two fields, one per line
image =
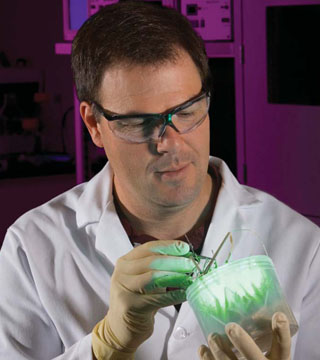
x=149 y=88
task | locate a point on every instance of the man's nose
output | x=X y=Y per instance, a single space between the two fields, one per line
x=170 y=141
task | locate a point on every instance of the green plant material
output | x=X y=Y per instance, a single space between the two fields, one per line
x=166 y=279
x=234 y=307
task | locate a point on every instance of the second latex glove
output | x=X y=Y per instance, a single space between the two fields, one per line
x=280 y=348
x=138 y=290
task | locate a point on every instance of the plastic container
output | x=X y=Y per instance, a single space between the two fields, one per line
x=245 y=291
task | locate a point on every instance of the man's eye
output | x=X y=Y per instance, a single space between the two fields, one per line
x=185 y=115
x=131 y=122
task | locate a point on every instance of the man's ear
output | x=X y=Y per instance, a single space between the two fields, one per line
x=89 y=119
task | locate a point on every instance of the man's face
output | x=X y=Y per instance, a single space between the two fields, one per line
x=173 y=172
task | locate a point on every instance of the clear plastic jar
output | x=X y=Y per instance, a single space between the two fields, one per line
x=245 y=291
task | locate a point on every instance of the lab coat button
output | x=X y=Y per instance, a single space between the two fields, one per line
x=180 y=333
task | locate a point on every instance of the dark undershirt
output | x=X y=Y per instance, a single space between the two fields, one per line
x=196 y=235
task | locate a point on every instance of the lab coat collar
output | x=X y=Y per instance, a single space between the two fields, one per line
x=239 y=194
x=96 y=205
x=228 y=214
x=111 y=238
x=95 y=197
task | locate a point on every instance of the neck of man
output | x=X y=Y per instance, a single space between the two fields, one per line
x=170 y=223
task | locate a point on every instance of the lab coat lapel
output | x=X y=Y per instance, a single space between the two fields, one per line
x=228 y=212
x=226 y=216
x=96 y=207
x=111 y=238
x=96 y=194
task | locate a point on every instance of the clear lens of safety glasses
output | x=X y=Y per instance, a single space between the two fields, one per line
x=151 y=127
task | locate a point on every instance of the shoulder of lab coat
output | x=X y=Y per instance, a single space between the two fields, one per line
x=47 y=256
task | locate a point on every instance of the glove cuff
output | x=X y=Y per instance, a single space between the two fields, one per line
x=105 y=345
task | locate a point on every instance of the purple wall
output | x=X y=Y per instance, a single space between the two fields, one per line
x=30 y=30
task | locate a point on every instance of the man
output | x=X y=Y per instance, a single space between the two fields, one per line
x=74 y=283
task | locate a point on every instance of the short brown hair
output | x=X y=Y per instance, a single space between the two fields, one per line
x=132 y=33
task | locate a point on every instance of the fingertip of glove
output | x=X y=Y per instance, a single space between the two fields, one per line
x=279 y=320
x=182 y=247
x=232 y=329
x=178 y=248
x=202 y=350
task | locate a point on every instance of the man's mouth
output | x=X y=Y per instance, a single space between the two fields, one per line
x=173 y=171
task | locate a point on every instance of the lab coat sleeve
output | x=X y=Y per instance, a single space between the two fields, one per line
x=26 y=330
x=307 y=346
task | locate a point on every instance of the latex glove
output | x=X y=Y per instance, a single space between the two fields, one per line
x=138 y=290
x=280 y=348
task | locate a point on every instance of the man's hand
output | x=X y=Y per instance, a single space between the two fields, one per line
x=138 y=290
x=280 y=348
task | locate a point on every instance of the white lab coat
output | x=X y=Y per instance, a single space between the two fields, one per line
x=57 y=260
